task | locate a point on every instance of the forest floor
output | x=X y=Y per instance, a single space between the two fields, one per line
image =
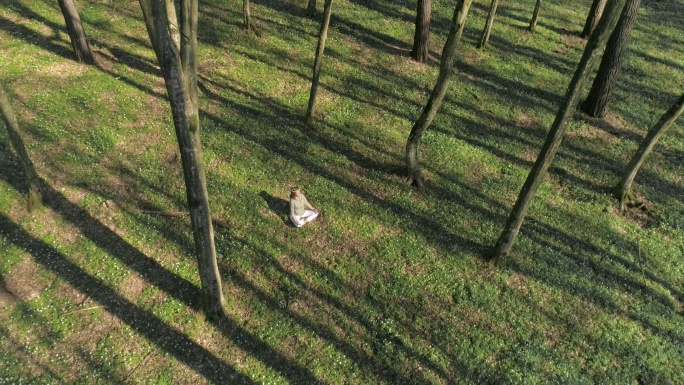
x=390 y=284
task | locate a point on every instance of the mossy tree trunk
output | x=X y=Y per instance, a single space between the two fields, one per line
x=535 y=16
x=10 y=119
x=446 y=66
x=322 y=36
x=421 y=37
x=179 y=67
x=591 y=54
x=247 y=23
x=623 y=189
x=593 y=18
x=484 y=40
x=311 y=8
x=596 y=103
x=76 y=33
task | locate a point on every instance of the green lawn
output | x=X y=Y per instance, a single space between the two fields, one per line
x=390 y=284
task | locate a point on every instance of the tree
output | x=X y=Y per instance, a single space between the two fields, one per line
x=593 y=18
x=592 y=52
x=10 y=119
x=76 y=32
x=535 y=16
x=177 y=59
x=247 y=23
x=311 y=8
x=322 y=36
x=622 y=190
x=421 y=38
x=596 y=103
x=488 y=26
x=446 y=66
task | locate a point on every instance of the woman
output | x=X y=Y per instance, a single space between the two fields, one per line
x=300 y=209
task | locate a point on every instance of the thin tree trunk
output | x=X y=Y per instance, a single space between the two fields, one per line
x=592 y=52
x=246 y=17
x=10 y=119
x=317 y=63
x=593 y=18
x=596 y=103
x=179 y=67
x=446 y=66
x=484 y=40
x=535 y=16
x=75 y=29
x=421 y=38
x=311 y=8
x=622 y=190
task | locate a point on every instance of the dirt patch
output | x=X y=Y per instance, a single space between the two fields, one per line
x=23 y=281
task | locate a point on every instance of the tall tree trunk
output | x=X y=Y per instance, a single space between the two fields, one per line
x=311 y=8
x=179 y=67
x=592 y=52
x=246 y=17
x=593 y=18
x=76 y=32
x=535 y=16
x=421 y=38
x=317 y=62
x=484 y=40
x=10 y=119
x=623 y=189
x=596 y=103
x=446 y=65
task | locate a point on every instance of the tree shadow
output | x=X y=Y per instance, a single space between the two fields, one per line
x=163 y=335
x=142 y=321
x=278 y=206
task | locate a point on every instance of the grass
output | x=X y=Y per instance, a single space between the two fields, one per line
x=389 y=285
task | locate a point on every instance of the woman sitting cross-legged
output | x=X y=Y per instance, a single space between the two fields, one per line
x=301 y=211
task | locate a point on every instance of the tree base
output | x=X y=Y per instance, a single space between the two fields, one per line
x=415 y=179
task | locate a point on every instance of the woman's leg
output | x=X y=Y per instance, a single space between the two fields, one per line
x=309 y=215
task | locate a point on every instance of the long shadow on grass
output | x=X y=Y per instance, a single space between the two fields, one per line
x=147 y=324
x=384 y=367
x=595 y=263
x=437 y=233
x=185 y=350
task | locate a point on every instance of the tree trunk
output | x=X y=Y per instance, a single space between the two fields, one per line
x=535 y=16
x=623 y=189
x=592 y=52
x=317 y=63
x=10 y=119
x=247 y=23
x=593 y=18
x=76 y=32
x=179 y=67
x=488 y=26
x=596 y=103
x=311 y=8
x=446 y=66
x=421 y=38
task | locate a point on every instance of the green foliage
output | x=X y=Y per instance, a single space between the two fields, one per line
x=389 y=284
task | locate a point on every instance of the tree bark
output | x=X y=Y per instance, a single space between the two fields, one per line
x=311 y=8
x=34 y=199
x=484 y=40
x=592 y=52
x=596 y=103
x=446 y=66
x=622 y=190
x=593 y=18
x=317 y=62
x=535 y=16
x=75 y=29
x=179 y=67
x=421 y=38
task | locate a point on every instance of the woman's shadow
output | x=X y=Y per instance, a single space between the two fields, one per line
x=280 y=207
